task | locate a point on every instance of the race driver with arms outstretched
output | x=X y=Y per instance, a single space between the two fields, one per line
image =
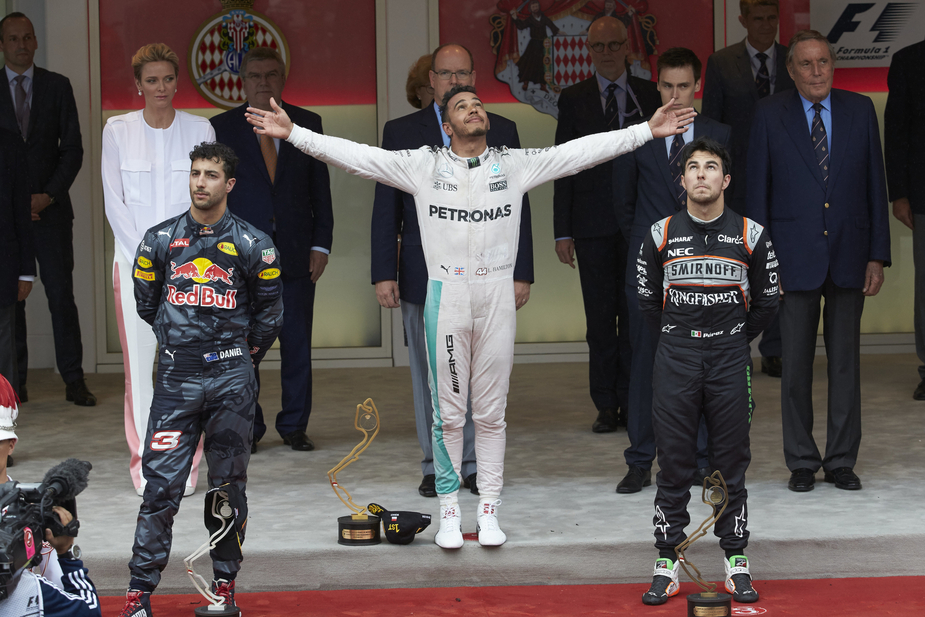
x=468 y=199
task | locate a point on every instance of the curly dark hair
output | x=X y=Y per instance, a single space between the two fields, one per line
x=217 y=152
x=449 y=95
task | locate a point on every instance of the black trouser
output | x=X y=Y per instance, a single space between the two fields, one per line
x=295 y=351
x=694 y=379
x=601 y=268
x=799 y=320
x=217 y=400
x=55 y=255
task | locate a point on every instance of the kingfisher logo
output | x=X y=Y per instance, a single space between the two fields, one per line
x=454 y=378
x=201 y=270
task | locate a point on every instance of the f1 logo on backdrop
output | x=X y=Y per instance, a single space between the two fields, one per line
x=866 y=34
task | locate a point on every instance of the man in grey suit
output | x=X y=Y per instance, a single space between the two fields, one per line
x=737 y=77
x=647 y=188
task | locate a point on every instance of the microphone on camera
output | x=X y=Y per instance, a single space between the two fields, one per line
x=67 y=479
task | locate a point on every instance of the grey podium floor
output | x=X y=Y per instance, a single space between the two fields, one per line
x=564 y=522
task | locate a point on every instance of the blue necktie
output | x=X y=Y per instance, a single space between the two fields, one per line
x=821 y=143
x=611 y=110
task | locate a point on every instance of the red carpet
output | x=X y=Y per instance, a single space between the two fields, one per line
x=841 y=597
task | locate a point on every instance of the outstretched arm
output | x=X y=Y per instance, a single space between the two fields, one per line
x=667 y=121
x=403 y=169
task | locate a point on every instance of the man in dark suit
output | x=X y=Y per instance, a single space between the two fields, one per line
x=287 y=195
x=39 y=105
x=647 y=188
x=394 y=218
x=17 y=258
x=816 y=181
x=904 y=132
x=737 y=78
x=583 y=214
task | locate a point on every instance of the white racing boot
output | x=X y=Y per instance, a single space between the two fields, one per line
x=490 y=533
x=450 y=534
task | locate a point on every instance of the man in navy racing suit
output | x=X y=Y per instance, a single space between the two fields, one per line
x=209 y=284
x=468 y=199
x=708 y=281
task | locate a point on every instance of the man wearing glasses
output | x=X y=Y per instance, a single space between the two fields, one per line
x=288 y=197
x=585 y=224
x=402 y=274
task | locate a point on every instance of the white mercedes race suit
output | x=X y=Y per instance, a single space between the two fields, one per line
x=469 y=214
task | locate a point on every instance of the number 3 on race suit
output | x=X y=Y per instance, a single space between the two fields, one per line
x=165 y=440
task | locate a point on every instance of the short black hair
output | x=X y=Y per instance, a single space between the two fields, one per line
x=13 y=15
x=449 y=95
x=217 y=152
x=705 y=144
x=679 y=57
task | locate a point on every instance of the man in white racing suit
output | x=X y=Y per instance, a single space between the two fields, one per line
x=468 y=199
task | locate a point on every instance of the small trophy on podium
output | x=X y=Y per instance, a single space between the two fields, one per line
x=709 y=602
x=358 y=529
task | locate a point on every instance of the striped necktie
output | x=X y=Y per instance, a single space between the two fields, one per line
x=763 y=78
x=674 y=164
x=611 y=110
x=820 y=143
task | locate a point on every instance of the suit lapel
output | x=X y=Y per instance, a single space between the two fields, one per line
x=794 y=121
x=7 y=110
x=744 y=68
x=842 y=125
x=431 y=130
x=39 y=92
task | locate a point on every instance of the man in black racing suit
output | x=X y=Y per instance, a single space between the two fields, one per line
x=209 y=284
x=708 y=281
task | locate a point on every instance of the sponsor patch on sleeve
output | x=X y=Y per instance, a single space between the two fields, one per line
x=269 y=273
x=269 y=255
x=144 y=262
x=228 y=248
x=145 y=276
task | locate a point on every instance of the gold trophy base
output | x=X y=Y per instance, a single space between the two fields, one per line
x=356 y=531
x=709 y=604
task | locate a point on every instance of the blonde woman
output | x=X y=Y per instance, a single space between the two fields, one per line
x=145 y=173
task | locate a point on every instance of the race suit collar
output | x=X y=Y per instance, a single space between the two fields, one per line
x=207 y=230
x=469 y=163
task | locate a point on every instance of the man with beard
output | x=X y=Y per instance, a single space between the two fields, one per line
x=469 y=199
x=216 y=307
x=708 y=283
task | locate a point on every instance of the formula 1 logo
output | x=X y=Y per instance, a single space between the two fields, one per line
x=201 y=270
x=867 y=34
x=887 y=26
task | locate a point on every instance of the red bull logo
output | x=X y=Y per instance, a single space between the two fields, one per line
x=201 y=295
x=201 y=270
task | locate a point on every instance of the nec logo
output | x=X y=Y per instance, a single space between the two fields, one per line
x=680 y=252
x=888 y=25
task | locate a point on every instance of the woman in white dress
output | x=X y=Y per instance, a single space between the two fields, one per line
x=145 y=173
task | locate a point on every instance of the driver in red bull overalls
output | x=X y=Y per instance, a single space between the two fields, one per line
x=209 y=284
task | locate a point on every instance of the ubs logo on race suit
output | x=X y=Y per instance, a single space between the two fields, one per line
x=445 y=186
x=201 y=270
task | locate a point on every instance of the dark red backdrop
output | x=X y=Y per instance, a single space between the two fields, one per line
x=684 y=23
x=332 y=45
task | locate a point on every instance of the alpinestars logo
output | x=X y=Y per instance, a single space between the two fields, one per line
x=737 y=329
x=661 y=523
x=454 y=378
x=740 y=524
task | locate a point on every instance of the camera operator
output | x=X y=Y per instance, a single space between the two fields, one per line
x=58 y=586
